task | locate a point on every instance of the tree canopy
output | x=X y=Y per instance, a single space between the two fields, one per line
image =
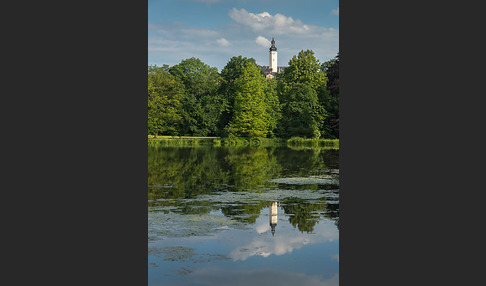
x=330 y=98
x=231 y=71
x=249 y=118
x=201 y=103
x=298 y=89
x=192 y=98
x=165 y=93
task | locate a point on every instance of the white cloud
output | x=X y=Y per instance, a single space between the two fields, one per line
x=248 y=35
x=223 y=42
x=262 y=41
x=335 y=12
x=278 y=24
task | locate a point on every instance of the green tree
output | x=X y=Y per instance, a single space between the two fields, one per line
x=304 y=115
x=298 y=91
x=232 y=70
x=202 y=104
x=330 y=98
x=331 y=68
x=157 y=69
x=272 y=105
x=249 y=118
x=164 y=103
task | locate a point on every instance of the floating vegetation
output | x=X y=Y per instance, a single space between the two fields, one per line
x=319 y=180
x=245 y=198
x=172 y=224
x=184 y=254
x=172 y=253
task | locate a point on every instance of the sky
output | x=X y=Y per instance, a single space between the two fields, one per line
x=216 y=30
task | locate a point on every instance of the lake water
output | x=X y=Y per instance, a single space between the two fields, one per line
x=243 y=215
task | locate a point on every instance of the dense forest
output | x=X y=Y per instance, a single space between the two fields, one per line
x=194 y=99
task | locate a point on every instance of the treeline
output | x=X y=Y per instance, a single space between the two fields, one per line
x=194 y=99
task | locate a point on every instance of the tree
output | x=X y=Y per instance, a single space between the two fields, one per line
x=331 y=68
x=304 y=115
x=298 y=94
x=229 y=74
x=272 y=105
x=164 y=103
x=330 y=97
x=249 y=118
x=156 y=69
x=201 y=103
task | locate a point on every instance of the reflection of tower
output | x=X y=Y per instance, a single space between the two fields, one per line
x=273 y=217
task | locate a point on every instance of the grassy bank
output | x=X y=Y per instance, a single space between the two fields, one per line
x=181 y=140
x=302 y=142
x=217 y=141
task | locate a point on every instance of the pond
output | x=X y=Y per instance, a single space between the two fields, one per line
x=243 y=215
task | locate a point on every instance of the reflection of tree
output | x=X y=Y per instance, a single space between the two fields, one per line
x=299 y=162
x=303 y=215
x=244 y=212
x=179 y=173
x=252 y=167
x=183 y=172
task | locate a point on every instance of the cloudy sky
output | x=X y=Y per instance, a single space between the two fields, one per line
x=216 y=30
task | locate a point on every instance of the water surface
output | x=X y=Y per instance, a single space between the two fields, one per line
x=245 y=214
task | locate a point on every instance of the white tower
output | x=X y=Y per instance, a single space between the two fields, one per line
x=273 y=57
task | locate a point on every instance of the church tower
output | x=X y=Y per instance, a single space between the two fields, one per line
x=273 y=57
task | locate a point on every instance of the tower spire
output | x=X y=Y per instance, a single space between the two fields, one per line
x=273 y=48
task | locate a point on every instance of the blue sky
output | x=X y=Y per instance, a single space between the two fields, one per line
x=216 y=30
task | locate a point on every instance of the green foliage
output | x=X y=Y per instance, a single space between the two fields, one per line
x=298 y=94
x=304 y=115
x=157 y=69
x=249 y=118
x=202 y=104
x=193 y=99
x=272 y=105
x=177 y=175
x=164 y=103
x=302 y=142
x=232 y=71
x=305 y=69
x=331 y=68
x=175 y=140
x=330 y=98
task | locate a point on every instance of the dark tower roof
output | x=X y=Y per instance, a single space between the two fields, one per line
x=273 y=48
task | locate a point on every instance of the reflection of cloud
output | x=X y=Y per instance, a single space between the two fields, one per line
x=285 y=241
x=335 y=256
x=262 y=226
x=217 y=276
